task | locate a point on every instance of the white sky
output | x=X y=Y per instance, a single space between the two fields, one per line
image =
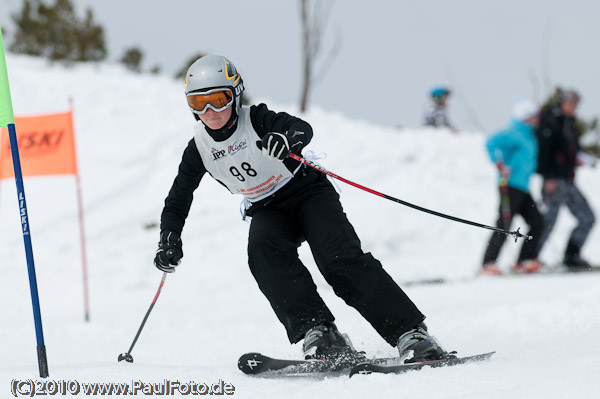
x=392 y=52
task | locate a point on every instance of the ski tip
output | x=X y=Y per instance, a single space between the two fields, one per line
x=250 y=355
x=249 y=362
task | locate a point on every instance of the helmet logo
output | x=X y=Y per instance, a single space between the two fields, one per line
x=238 y=89
x=231 y=72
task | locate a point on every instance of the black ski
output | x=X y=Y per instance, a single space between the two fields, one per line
x=257 y=363
x=369 y=368
x=565 y=269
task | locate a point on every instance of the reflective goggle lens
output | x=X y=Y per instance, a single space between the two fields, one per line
x=218 y=100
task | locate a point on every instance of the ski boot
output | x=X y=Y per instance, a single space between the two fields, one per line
x=576 y=262
x=527 y=266
x=573 y=259
x=489 y=269
x=326 y=342
x=417 y=345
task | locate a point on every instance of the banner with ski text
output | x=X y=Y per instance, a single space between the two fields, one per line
x=46 y=146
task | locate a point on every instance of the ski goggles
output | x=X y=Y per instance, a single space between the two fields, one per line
x=215 y=99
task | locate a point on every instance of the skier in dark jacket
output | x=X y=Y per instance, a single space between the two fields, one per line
x=246 y=149
x=558 y=160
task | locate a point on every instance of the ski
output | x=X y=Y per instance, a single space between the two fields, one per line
x=566 y=269
x=424 y=281
x=259 y=364
x=369 y=368
x=548 y=270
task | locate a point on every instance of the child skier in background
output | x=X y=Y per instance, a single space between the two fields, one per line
x=436 y=112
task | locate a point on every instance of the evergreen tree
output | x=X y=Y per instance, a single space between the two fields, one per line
x=132 y=59
x=55 y=32
x=180 y=74
x=90 y=45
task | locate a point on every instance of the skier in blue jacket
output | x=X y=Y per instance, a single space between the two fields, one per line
x=514 y=150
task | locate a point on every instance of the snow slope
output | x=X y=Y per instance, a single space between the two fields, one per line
x=131 y=130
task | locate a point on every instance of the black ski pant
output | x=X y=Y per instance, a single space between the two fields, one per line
x=523 y=204
x=308 y=208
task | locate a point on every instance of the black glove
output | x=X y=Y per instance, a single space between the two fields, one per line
x=169 y=252
x=278 y=145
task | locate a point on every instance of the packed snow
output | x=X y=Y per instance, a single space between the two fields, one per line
x=131 y=131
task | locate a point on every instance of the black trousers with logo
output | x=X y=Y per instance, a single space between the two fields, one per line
x=308 y=209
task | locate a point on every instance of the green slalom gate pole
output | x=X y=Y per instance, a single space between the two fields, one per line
x=7 y=119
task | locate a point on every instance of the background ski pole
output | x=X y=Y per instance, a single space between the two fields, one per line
x=505 y=202
x=505 y=212
x=7 y=120
x=127 y=355
x=515 y=233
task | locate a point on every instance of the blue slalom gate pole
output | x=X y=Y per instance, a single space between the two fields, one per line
x=7 y=119
x=35 y=301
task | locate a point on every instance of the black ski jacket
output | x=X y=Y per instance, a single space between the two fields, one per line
x=558 y=145
x=191 y=168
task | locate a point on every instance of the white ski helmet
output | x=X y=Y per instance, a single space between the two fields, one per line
x=214 y=72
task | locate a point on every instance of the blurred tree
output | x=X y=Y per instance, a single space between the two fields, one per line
x=29 y=29
x=55 y=32
x=314 y=20
x=180 y=74
x=155 y=70
x=552 y=100
x=132 y=59
x=90 y=42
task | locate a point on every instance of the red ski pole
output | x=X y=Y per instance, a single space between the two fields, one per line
x=127 y=355
x=515 y=233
